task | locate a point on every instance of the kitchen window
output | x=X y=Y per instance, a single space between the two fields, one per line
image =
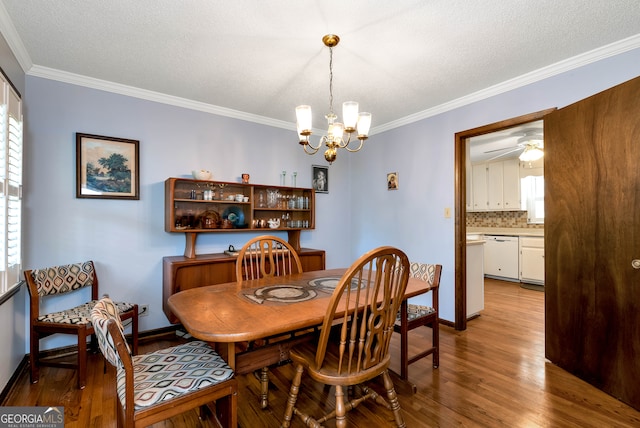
x=532 y=196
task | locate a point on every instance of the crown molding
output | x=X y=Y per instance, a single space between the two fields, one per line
x=10 y=34
x=569 y=64
x=117 y=88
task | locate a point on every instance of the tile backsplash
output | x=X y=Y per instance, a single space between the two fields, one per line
x=500 y=219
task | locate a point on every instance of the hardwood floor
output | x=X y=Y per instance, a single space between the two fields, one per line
x=492 y=375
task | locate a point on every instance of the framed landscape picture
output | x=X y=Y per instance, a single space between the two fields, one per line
x=107 y=167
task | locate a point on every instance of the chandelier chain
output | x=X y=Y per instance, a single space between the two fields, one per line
x=330 y=80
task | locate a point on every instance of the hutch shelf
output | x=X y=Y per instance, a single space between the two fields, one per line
x=202 y=206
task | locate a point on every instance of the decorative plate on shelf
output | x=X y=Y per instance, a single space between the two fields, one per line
x=235 y=215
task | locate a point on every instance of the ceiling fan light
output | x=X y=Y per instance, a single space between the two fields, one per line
x=531 y=154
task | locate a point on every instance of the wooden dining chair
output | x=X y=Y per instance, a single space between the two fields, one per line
x=412 y=316
x=262 y=257
x=64 y=279
x=162 y=384
x=353 y=343
x=266 y=256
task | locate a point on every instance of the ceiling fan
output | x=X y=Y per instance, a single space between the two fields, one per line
x=530 y=144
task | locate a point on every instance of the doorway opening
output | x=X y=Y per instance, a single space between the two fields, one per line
x=460 y=173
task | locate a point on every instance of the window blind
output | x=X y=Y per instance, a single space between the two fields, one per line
x=11 y=151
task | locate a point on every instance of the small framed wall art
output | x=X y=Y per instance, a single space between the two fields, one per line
x=320 y=178
x=392 y=181
x=107 y=167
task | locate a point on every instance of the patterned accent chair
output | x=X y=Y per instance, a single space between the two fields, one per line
x=266 y=256
x=354 y=349
x=57 y=280
x=167 y=382
x=413 y=316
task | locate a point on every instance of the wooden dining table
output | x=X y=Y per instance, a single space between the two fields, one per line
x=230 y=315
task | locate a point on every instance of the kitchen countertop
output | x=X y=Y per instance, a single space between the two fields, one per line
x=475 y=241
x=506 y=231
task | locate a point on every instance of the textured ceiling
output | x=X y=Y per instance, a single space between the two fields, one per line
x=255 y=59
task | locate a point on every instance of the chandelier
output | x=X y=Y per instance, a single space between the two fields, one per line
x=354 y=122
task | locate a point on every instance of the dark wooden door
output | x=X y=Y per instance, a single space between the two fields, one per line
x=592 y=237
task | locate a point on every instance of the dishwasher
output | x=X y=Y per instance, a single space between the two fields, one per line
x=501 y=257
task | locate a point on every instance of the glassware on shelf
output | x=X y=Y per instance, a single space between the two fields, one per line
x=293 y=179
x=221 y=194
x=283 y=177
x=262 y=202
x=273 y=198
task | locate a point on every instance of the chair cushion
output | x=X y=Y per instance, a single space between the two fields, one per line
x=81 y=314
x=415 y=311
x=168 y=373
x=103 y=311
x=63 y=279
x=423 y=271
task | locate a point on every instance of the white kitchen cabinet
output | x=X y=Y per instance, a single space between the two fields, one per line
x=496 y=186
x=475 y=277
x=532 y=259
x=501 y=257
x=511 y=185
x=479 y=178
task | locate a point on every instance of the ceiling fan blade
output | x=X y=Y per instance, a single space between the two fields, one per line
x=517 y=149
x=498 y=150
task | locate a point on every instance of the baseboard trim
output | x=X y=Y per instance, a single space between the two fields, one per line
x=23 y=367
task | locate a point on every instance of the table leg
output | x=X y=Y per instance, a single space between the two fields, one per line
x=264 y=387
x=227 y=351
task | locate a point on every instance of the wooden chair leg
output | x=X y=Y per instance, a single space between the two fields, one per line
x=341 y=411
x=393 y=400
x=82 y=358
x=226 y=410
x=33 y=356
x=134 y=332
x=404 y=353
x=293 y=396
x=436 y=343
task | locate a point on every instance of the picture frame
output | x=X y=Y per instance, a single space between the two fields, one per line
x=392 y=181
x=107 y=167
x=320 y=178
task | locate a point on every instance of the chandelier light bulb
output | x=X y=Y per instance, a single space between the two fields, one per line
x=336 y=130
x=364 y=123
x=304 y=118
x=350 y=115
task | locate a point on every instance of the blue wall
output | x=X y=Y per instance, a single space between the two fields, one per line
x=127 y=239
x=422 y=154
